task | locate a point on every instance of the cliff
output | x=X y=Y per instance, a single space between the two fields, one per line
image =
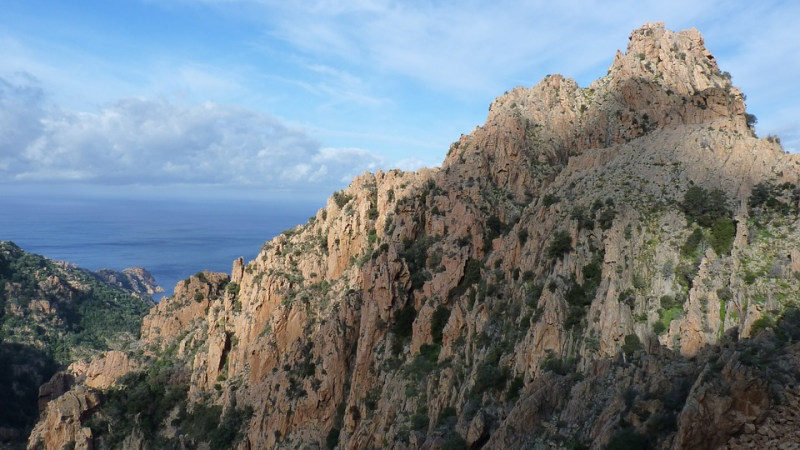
x=601 y=267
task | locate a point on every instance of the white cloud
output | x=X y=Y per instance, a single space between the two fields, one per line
x=20 y=107
x=159 y=141
x=349 y=162
x=411 y=164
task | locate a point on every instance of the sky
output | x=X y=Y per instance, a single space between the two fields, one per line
x=280 y=98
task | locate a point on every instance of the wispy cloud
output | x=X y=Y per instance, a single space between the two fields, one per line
x=146 y=141
x=476 y=50
x=470 y=47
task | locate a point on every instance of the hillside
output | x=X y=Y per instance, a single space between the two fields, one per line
x=614 y=266
x=51 y=314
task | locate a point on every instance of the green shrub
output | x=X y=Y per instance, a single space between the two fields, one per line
x=145 y=394
x=472 y=275
x=341 y=199
x=686 y=272
x=534 y=294
x=513 y=389
x=522 y=235
x=206 y=423
x=419 y=422
x=560 y=245
x=723 y=232
x=631 y=344
x=550 y=199
x=446 y=414
x=582 y=219
x=689 y=249
x=403 y=325
x=767 y=197
x=372 y=214
x=233 y=289
x=705 y=207
x=557 y=365
x=332 y=440
x=628 y=297
x=606 y=218
x=425 y=362
x=670 y=311
x=668 y=301
x=628 y=439
x=789 y=325
x=494 y=227
x=761 y=324
x=488 y=376
x=454 y=441
x=415 y=253
x=579 y=297
x=761 y=194
x=527 y=275
x=592 y=273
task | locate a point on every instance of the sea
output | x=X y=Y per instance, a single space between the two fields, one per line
x=171 y=238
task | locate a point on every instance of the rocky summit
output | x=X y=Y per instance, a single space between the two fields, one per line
x=606 y=267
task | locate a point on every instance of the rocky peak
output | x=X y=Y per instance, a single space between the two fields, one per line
x=674 y=78
x=664 y=79
x=678 y=61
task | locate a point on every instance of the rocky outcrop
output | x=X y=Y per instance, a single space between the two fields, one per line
x=575 y=275
x=61 y=424
x=135 y=279
x=188 y=306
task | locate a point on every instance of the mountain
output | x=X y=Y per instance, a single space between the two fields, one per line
x=51 y=314
x=613 y=266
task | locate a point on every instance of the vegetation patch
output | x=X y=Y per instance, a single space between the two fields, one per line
x=550 y=199
x=631 y=344
x=341 y=199
x=403 y=325
x=86 y=315
x=670 y=310
x=425 y=362
x=558 y=365
x=710 y=210
x=628 y=439
x=472 y=275
x=495 y=228
x=560 y=245
x=489 y=374
x=580 y=296
x=416 y=253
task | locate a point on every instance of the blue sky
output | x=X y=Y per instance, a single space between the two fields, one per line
x=295 y=98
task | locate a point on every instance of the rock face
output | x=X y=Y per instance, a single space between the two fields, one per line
x=61 y=420
x=135 y=279
x=586 y=270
